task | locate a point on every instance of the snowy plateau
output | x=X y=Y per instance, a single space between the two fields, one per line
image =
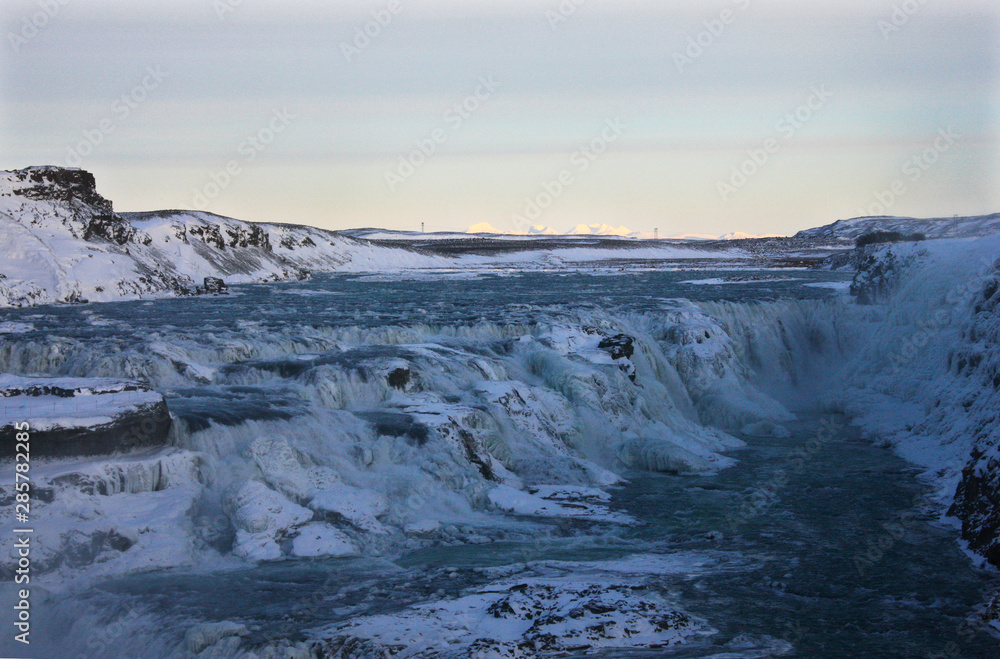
x=272 y=440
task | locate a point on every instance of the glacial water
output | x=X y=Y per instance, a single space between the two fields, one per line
x=818 y=539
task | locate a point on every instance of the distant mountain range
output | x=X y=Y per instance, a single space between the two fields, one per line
x=542 y=230
x=607 y=230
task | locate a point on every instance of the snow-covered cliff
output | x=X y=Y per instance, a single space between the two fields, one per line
x=60 y=241
x=924 y=379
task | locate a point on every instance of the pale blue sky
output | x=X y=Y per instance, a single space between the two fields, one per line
x=214 y=77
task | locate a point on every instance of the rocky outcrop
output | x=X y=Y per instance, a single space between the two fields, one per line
x=621 y=349
x=528 y=617
x=398 y=378
x=221 y=237
x=880 y=269
x=78 y=189
x=59 y=184
x=215 y=286
x=65 y=243
x=977 y=505
x=618 y=346
x=79 y=417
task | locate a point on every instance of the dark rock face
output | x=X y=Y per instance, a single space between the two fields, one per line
x=977 y=504
x=78 y=189
x=145 y=426
x=621 y=348
x=876 y=279
x=618 y=346
x=223 y=237
x=399 y=378
x=215 y=285
x=250 y=236
x=58 y=184
x=289 y=242
x=210 y=235
x=110 y=227
x=397 y=424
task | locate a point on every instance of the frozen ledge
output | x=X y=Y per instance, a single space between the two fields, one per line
x=81 y=416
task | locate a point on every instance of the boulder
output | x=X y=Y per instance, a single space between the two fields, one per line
x=398 y=378
x=215 y=285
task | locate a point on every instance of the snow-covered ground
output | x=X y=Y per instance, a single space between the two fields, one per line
x=543 y=613
x=944 y=227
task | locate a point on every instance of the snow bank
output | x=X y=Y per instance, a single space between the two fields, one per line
x=532 y=616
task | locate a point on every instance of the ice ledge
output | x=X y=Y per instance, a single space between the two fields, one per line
x=81 y=416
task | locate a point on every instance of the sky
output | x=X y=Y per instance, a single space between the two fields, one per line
x=759 y=116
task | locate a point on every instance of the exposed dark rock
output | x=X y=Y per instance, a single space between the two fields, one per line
x=232 y=237
x=875 y=237
x=396 y=424
x=78 y=189
x=991 y=613
x=977 y=497
x=60 y=184
x=145 y=423
x=144 y=426
x=399 y=378
x=977 y=504
x=249 y=235
x=477 y=454
x=215 y=285
x=209 y=234
x=618 y=346
x=110 y=227
x=621 y=348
